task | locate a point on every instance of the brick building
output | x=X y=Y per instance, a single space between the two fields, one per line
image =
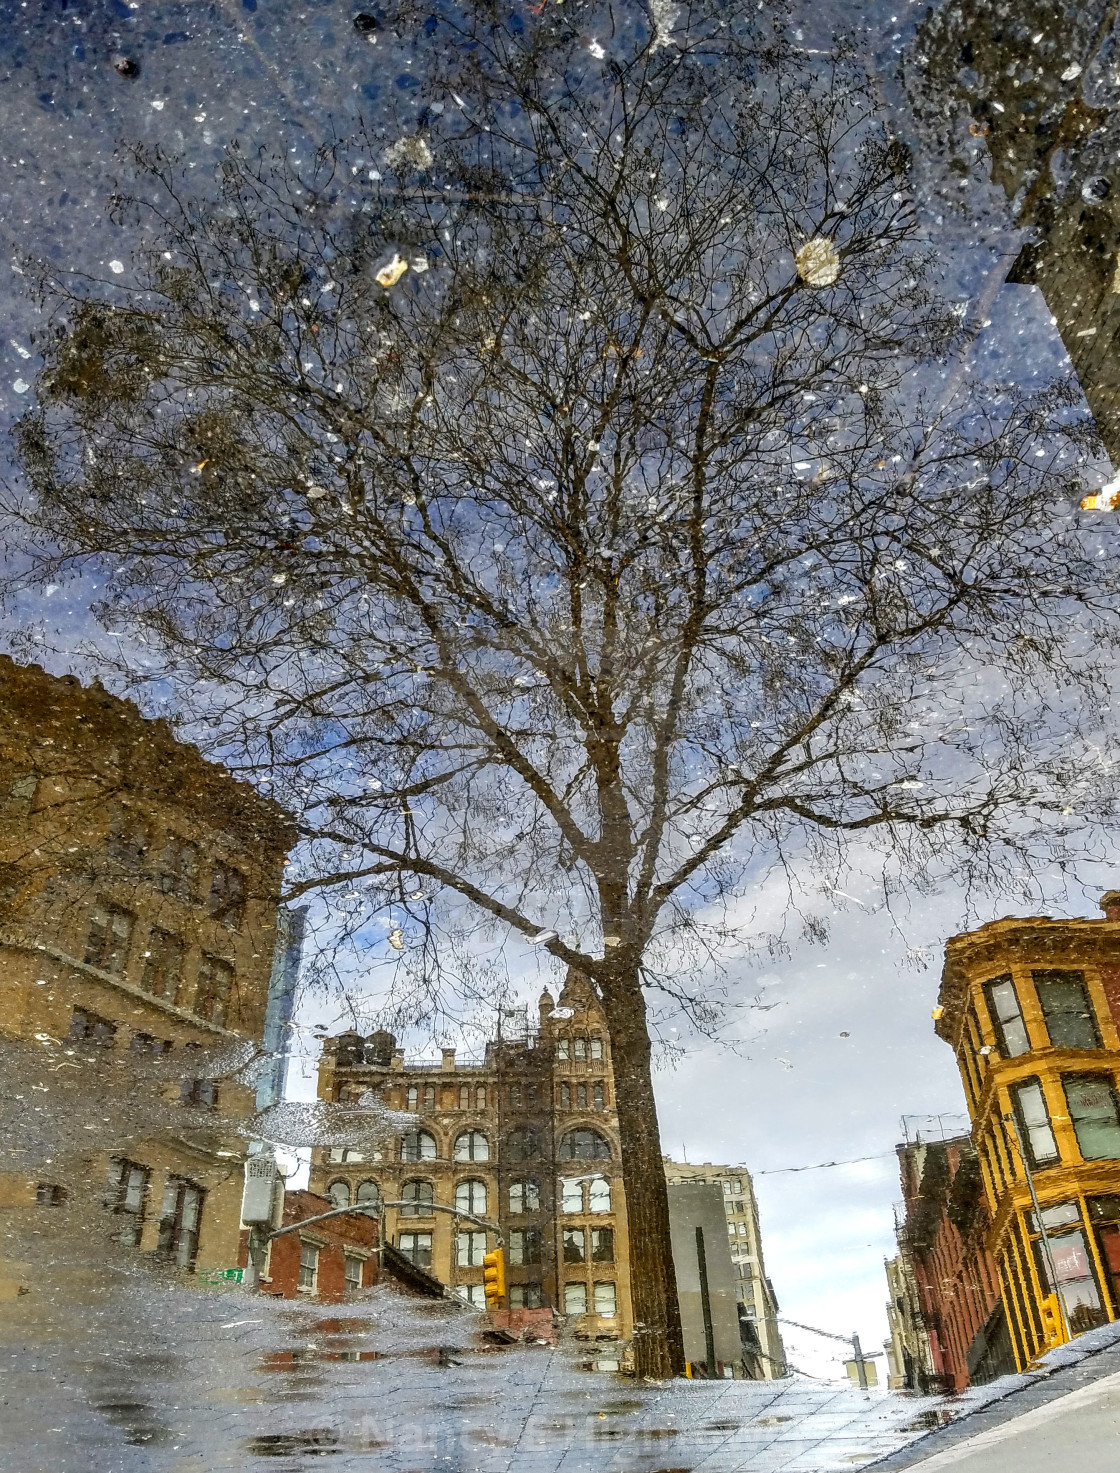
x=326 y=1260
x=139 y=892
x=527 y=1138
x=942 y=1236
x=1032 y=1009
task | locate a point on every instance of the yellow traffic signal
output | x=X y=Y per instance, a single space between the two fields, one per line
x=1053 y=1330
x=494 y=1276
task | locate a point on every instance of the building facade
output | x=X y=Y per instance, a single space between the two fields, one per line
x=139 y=891
x=1031 y=1008
x=715 y=1347
x=754 y=1292
x=948 y=1317
x=526 y=1140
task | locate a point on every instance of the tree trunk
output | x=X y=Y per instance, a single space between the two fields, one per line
x=658 y=1341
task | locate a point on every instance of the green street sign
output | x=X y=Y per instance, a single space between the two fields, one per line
x=222 y=1276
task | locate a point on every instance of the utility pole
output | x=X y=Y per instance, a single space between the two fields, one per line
x=1047 y=1249
x=861 y=1364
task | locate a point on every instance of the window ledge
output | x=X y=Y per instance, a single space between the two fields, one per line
x=128 y=988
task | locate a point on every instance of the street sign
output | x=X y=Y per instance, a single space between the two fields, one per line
x=222 y=1276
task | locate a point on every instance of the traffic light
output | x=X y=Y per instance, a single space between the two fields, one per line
x=1053 y=1331
x=494 y=1276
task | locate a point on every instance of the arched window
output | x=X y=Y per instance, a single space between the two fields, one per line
x=524 y=1196
x=339 y=1193
x=480 y=1097
x=470 y=1196
x=429 y=1097
x=580 y=1050
x=598 y=1095
x=583 y=1145
x=598 y=1194
x=472 y=1145
x=412 y=1098
x=565 y=1097
x=522 y=1145
x=418 y=1145
x=368 y=1191
x=419 y=1195
x=464 y=1097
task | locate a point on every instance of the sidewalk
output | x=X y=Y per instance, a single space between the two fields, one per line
x=1065 y=1414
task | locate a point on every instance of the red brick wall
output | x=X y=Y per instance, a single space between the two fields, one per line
x=355 y=1231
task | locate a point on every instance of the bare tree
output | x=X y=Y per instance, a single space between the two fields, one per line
x=557 y=505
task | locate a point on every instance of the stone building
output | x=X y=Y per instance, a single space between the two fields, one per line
x=139 y=891
x=764 y=1352
x=909 y=1358
x=1032 y=1009
x=526 y=1139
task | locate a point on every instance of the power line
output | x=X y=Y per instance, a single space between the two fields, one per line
x=822 y=1165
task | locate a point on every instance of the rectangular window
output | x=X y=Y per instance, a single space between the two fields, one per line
x=575 y=1298
x=1034 y=1122
x=515 y=1097
x=571 y=1195
x=598 y=1096
x=580 y=1050
x=215 y=983
x=353 y=1268
x=599 y=1194
x=470 y=1249
x=179 y=1218
x=178 y=868
x=1093 y=1111
x=525 y=1246
x=575 y=1245
x=525 y=1296
x=128 y=1195
x=1064 y=1000
x=198 y=1094
x=605 y=1301
x=534 y=1096
x=110 y=931
x=128 y=838
x=417 y=1248
x=1007 y=1017
x=163 y=965
x=524 y=1196
x=565 y=1097
x=227 y=896
x=87 y=1027
x=148 y=1045
x=472 y=1294
x=308 y=1266
x=562 y=1048
x=581 y=1096
x=596 y=1048
x=602 y=1245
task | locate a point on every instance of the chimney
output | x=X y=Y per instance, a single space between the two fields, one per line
x=448 y=1058
x=1110 y=904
